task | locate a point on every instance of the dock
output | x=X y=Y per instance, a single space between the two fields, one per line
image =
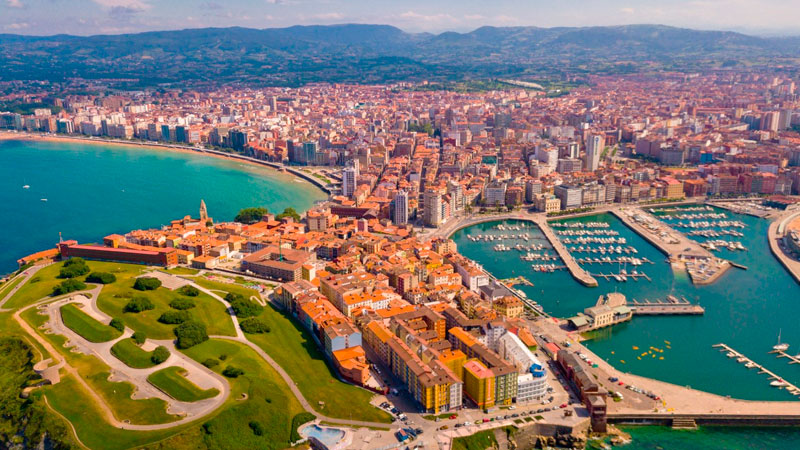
x=665 y=307
x=792 y=359
x=574 y=268
x=634 y=276
x=792 y=389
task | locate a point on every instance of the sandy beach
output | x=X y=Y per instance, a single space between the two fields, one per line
x=25 y=136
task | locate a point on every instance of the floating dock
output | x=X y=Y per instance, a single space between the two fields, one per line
x=634 y=276
x=574 y=268
x=792 y=389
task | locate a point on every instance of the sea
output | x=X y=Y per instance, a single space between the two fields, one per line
x=745 y=309
x=96 y=189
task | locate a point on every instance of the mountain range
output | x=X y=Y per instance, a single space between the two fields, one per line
x=376 y=53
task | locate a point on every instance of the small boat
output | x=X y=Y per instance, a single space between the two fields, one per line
x=27 y=186
x=731 y=355
x=778 y=383
x=741 y=359
x=750 y=365
x=780 y=347
x=42 y=199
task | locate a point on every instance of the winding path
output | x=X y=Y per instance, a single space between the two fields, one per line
x=26 y=274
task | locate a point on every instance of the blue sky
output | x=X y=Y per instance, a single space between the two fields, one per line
x=82 y=17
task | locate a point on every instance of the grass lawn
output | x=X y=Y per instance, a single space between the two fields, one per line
x=440 y=416
x=181 y=271
x=295 y=350
x=478 y=441
x=221 y=288
x=113 y=298
x=40 y=285
x=116 y=394
x=86 y=326
x=269 y=400
x=6 y=287
x=171 y=381
x=131 y=354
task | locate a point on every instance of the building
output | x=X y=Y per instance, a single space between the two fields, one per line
x=508 y=306
x=479 y=384
x=432 y=212
x=401 y=208
x=495 y=193
x=278 y=263
x=350 y=179
x=570 y=196
x=144 y=255
x=595 y=143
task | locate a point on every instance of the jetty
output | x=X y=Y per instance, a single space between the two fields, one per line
x=574 y=268
x=623 y=276
x=792 y=359
x=670 y=306
x=792 y=389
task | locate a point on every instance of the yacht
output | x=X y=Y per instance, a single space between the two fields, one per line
x=780 y=346
x=26 y=186
x=750 y=365
x=43 y=199
x=778 y=383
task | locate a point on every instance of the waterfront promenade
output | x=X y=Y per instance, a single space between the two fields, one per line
x=775 y=234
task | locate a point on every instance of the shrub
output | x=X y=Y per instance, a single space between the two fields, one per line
x=73 y=267
x=254 y=326
x=242 y=307
x=257 y=428
x=297 y=421
x=101 y=278
x=147 y=284
x=232 y=372
x=223 y=357
x=175 y=317
x=138 y=304
x=190 y=334
x=250 y=215
x=118 y=324
x=210 y=362
x=189 y=291
x=182 y=303
x=160 y=354
x=139 y=337
x=67 y=286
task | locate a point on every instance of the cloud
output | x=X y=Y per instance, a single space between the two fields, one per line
x=14 y=3
x=210 y=5
x=474 y=17
x=329 y=16
x=627 y=10
x=412 y=15
x=127 y=4
x=16 y=26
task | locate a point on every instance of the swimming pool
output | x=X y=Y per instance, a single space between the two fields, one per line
x=328 y=436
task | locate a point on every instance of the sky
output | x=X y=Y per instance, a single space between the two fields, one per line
x=86 y=17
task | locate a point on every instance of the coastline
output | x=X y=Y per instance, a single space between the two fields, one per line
x=33 y=137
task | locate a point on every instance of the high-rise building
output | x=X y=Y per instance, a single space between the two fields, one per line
x=432 y=211
x=456 y=195
x=594 y=146
x=349 y=179
x=309 y=155
x=401 y=208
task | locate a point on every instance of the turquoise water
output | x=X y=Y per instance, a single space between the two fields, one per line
x=328 y=436
x=94 y=190
x=744 y=309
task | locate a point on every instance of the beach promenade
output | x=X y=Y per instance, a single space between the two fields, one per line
x=777 y=230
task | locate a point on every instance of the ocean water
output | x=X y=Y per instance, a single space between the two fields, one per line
x=93 y=190
x=745 y=309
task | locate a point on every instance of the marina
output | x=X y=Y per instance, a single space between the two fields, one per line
x=775 y=380
x=622 y=276
x=621 y=260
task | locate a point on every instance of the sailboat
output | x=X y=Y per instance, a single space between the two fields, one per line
x=780 y=347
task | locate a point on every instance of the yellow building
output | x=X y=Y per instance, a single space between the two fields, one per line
x=454 y=360
x=479 y=384
x=509 y=306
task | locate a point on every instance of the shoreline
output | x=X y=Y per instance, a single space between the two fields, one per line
x=33 y=137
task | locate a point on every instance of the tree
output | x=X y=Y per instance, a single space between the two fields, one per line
x=182 y=303
x=232 y=372
x=211 y=362
x=250 y=215
x=242 y=307
x=117 y=324
x=189 y=291
x=73 y=267
x=160 y=354
x=254 y=326
x=190 y=334
x=257 y=428
x=139 y=337
x=138 y=304
x=67 y=286
x=101 y=278
x=175 y=317
x=146 y=284
x=289 y=212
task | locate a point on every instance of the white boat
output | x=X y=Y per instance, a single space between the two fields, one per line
x=42 y=199
x=731 y=355
x=780 y=346
x=778 y=383
x=750 y=365
x=26 y=187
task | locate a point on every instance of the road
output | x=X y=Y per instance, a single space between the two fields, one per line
x=26 y=274
x=777 y=230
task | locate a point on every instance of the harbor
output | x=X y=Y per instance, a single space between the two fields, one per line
x=574 y=268
x=622 y=276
